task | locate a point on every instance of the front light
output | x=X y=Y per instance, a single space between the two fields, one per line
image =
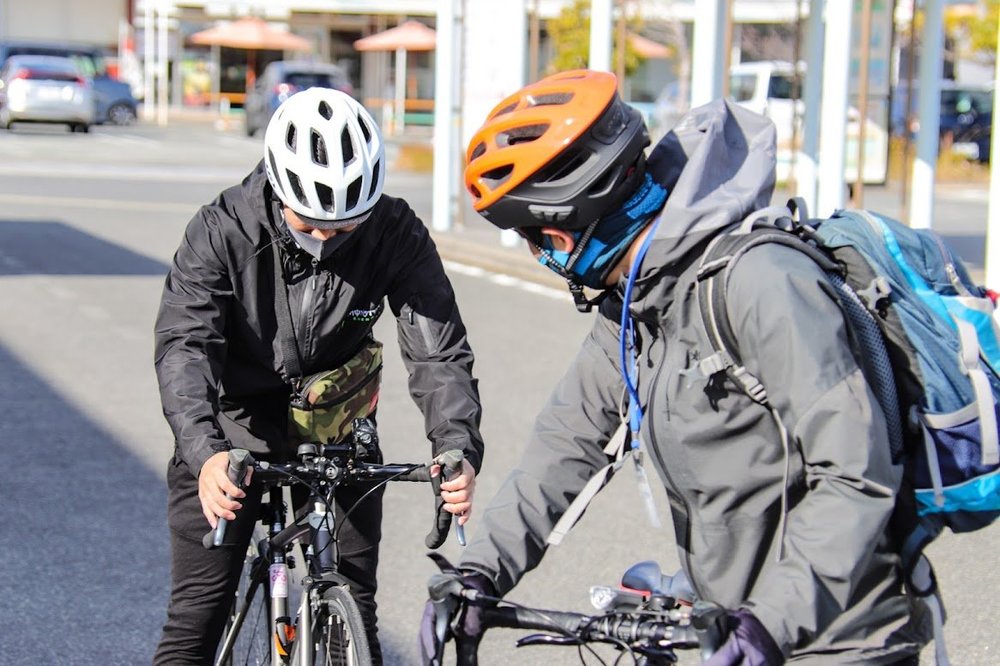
x=17 y=95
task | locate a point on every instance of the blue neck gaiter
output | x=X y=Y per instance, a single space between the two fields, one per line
x=601 y=246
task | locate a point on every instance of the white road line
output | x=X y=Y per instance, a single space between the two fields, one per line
x=507 y=280
x=76 y=202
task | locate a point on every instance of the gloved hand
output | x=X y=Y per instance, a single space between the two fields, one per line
x=748 y=644
x=464 y=616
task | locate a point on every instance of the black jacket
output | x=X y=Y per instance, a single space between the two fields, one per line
x=218 y=357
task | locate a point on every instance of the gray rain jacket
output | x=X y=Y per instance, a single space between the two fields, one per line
x=218 y=355
x=826 y=584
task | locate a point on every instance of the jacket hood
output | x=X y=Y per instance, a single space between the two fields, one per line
x=718 y=167
x=260 y=196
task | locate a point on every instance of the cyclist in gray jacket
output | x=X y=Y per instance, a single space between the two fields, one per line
x=790 y=536
x=344 y=249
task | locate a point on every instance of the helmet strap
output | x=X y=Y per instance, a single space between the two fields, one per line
x=600 y=247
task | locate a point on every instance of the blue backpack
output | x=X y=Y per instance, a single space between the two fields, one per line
x=932 y=351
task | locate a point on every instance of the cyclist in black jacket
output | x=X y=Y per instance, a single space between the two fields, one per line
x=345 y=248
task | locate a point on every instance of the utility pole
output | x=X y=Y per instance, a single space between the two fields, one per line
x=857 y=201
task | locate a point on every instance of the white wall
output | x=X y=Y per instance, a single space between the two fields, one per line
x=93 y=21
x=496 y=46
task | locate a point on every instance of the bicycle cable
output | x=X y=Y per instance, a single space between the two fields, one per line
x=547 y=618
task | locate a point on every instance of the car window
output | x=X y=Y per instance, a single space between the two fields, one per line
x=39 y=71
x=90 y=64
x=303 y=80
x=782 y=86
x=742 y=87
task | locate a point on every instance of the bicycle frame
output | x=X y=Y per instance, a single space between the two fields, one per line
x=322 y=469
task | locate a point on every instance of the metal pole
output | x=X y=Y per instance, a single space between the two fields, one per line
x=924 y=167
x=727 y=48
x=148 y=60
x=534 y=36
x=857 y=201
x=908 y=122
x=836 y=68
x=400 y=92
x=993 y=218
x=620 y=50
x=807 y=160
x=707 y=64
x=445 y=139
x=162 y=64
x=600 y=35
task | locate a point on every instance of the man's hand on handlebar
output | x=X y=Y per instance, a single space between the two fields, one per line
x=747 y=644
x=213 y=487
x=457 y=491
x=449 y=613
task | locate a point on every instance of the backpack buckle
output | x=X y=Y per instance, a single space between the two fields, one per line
x=706 y=367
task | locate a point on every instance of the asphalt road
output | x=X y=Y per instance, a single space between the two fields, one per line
x=88 y=224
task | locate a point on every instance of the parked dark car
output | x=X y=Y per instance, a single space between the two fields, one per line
x=113 y=99
x=45 y=89
x=282 y=79
x=966 y=119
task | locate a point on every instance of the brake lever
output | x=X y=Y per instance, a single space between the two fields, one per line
x=451 y=464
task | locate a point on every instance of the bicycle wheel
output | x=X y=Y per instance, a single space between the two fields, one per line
x=248 y=626
x=339 y=632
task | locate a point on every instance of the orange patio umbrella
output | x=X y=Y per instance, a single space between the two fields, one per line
x=647 y=48
x=407 y=36
x=252 y=34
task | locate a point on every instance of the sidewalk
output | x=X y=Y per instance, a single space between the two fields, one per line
x=960 y=209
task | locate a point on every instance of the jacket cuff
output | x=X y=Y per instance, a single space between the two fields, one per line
x=472 y=453
x=196 y=459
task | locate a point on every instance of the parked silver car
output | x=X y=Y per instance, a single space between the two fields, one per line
x=45 y=89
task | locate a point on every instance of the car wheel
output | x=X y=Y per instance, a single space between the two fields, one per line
x=121 y=114
x=82 y=128
x=250 y=129
x=4 y=119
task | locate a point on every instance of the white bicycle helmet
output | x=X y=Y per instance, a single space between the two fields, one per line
x=324 y=157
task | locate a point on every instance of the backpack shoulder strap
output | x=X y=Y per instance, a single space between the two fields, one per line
x=712 y=281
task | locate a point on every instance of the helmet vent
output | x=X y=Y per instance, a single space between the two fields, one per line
x=346 y=147
x=365 y=130
x=507 y=109
x=317 y=149
x=475 y=192
x=604 y=184
x=551 y=99
x=290 y=137
x=478 y=151
x=353 y=193
x=325 y=195
x=296 y=187
x=562 y=167
x=523 y=134
x=499 y=175
x=375 y=170
x=325 y=110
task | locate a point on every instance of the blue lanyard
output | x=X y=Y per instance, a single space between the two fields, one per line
x=629 y=364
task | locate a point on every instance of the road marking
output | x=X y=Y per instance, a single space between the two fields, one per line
x=178 y=174
x=73 y=202
x=507 y=280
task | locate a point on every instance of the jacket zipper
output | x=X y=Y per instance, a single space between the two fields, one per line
x=655 y=450
x=305 y=316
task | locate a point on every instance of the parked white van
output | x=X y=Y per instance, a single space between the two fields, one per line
x=770 y=88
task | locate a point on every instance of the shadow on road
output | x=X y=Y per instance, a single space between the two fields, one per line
x=56 y=248
x=84 y=541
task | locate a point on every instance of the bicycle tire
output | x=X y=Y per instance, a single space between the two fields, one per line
x=339 y=637
x=252 y=644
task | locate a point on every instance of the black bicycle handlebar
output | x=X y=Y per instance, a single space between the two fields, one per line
x=329 y=469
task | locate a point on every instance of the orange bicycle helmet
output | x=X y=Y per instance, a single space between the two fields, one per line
x=560 y=152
